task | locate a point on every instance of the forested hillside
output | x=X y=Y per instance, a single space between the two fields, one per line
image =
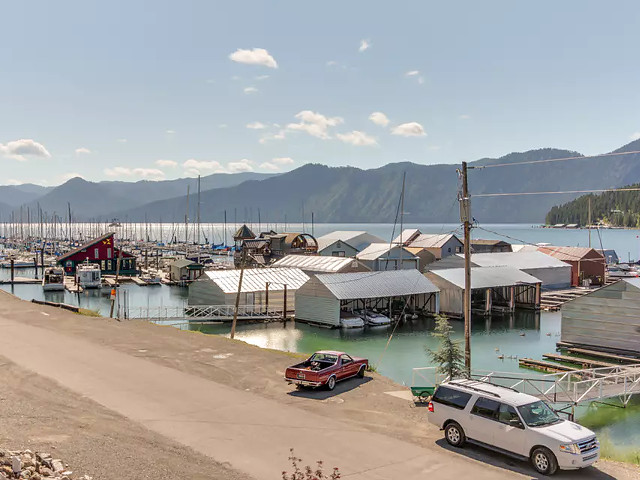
x=618 y=209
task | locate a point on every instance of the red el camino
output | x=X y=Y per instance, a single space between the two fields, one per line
x=326 y=368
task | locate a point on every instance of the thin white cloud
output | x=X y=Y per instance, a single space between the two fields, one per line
x=273 y=136
x=166 y=163
x=122 y=140
x=250 y=90
x=262 y=77
x=420 y=80
x=379 y=118
x=359 y=139
x=223 y=125
x=412 y=73
x=635 y=136
x=364 y=45
x=434 y=147
x=13 y=181
x=243 y=165
x=410 y=129
x=315 y=124
x=331 y=63
x=82 y=151
x=464 y=117
x=257 y=56
x=145 y=173
x=269 y=166
x=170 y=132
x=25 y=147
x=283 y=161
x=256 y=125
x=193 y=167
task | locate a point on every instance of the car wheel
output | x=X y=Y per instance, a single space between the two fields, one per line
x=361 y=372
x=544 y=461
x=454 y=434
x=331 y=383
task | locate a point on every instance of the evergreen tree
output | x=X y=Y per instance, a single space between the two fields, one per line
x=448 y=357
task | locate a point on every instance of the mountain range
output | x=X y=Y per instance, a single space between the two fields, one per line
x=354 y=195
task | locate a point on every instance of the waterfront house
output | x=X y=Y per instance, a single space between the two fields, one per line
x=553 y=273
x=262 y=288
x=441 y=245
x=492 y=289
x=587 y=264
x=325 y=297
x=489 y=246
x=311 y=264
x=270 y=247
x=383 y=256
x=607 y=318
x=425 y=257
x=184 y=269
x=101 y=251
x=345 y=243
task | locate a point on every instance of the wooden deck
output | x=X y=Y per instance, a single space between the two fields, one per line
x=545 y=366
x=584 y=362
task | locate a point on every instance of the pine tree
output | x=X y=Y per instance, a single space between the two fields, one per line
x=449 y=357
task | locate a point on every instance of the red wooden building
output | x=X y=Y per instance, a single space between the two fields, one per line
x=586 y=263
x=101 y=251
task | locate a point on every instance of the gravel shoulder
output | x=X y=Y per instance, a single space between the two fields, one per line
x=87 y=428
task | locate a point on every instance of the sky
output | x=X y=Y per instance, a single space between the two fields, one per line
x=131 y=90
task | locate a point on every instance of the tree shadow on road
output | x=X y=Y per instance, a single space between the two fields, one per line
x=322 y=393
x=522 y=467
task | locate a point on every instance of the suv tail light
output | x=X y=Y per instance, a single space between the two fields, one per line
x=430 y=407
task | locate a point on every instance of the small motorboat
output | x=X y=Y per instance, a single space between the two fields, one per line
x=374 y=319
x=53 y=279
x=88 y=275
x=151 y=279
x=351 y=320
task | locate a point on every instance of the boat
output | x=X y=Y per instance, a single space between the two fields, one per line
x=151 y=279
x=622 y=271
x=88 y=275
x=374 y=319
x=53 y=280
x=351 y=320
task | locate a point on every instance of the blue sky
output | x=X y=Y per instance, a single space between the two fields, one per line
x=148 y=89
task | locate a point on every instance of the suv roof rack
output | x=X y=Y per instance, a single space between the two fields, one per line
x=463 y=383
x=494 y=384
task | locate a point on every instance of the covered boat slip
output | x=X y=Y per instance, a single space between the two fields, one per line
x=493 y=289
x=262 y=288
x=607 y=318
x=322 y=299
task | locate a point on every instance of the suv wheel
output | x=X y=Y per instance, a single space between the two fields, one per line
x=544 y=461
x=454 y=434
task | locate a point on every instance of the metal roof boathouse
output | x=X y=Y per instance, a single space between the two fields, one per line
x=322 y=299
x=501 y=289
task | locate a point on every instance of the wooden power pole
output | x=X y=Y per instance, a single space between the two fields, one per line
x=465 y=217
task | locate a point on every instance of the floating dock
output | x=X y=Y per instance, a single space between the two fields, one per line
x=585 y=363
x=546 y=366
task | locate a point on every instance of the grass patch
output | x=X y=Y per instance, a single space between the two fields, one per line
x=88 y=313
x=616 y=452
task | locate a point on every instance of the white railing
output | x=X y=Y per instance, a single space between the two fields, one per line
x=199 y=312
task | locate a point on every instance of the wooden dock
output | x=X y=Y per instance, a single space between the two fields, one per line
x=71 y=286
x=603 y=355
x=585 y=363
x=20 y=281
x=545 y=366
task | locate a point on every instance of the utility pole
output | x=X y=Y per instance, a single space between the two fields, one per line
x=465 y=217
x=589 y=221
x=235 y=312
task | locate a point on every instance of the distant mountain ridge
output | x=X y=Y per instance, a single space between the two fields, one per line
x=354 y=195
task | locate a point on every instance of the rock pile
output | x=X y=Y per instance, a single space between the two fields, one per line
x=34 y=466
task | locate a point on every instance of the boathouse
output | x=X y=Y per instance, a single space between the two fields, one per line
x=489 y=246
x=323 y=298
x=345 y=243
x=311 y=264
x=441 y=245
x=101 y=251
x=607 y=318
x=587 y=264
x=384 y=256
x=261 y=287
x=501 y=289
x=184 y=269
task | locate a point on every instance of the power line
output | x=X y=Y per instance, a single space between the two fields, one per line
x=530 y=162
x=513 y=194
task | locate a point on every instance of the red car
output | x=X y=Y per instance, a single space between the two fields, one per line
x=326 y=368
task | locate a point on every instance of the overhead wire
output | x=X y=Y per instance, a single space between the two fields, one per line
x=550 y=160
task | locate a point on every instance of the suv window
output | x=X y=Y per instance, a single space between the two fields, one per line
x=487 y=408
x=507 y=414
x=451 y=397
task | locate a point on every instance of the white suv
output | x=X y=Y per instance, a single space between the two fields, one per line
x=508 y=421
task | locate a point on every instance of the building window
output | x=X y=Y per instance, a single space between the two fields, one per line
x=96 y=252
x=338 y=254
x=449 y=250
x=109 y=252
x=69 y=263
x=102 y=265
x=458 y=249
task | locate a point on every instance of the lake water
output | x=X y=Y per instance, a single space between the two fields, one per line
x=523 y=334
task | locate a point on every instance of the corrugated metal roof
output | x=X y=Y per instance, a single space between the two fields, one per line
x=314 y=263
x=395 y=283
x=432 y=241
x=358 y=239
x=486 y=277
x=633 y=281
x=519 y=260
x=405 y=235
x=377 y=250
x=255 y=279
x=182 y=262
x=568 y=254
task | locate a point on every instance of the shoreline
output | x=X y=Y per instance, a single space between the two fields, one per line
x=245 y=367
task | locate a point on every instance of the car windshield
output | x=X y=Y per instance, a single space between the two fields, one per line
x=324 y=357
x=537 y=414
